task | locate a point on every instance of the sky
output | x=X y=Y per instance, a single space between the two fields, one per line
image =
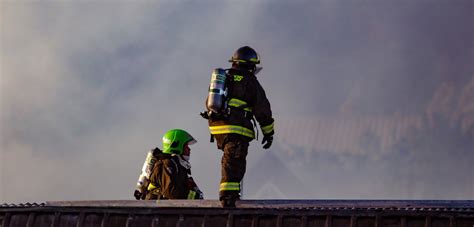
x=88 y=87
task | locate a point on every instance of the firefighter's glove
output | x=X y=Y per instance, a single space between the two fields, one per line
x=267 y=142
x=199 y=194
x=137 y=194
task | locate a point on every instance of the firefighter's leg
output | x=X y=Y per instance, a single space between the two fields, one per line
x=233 y=169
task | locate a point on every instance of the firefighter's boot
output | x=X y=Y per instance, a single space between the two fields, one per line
x=228 y=200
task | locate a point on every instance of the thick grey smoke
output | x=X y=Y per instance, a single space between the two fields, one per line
x=372 y=99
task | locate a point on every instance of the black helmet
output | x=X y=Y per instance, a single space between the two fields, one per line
x=245 y=56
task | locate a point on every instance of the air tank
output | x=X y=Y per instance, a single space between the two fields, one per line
x=144 y=178
x=216 y=100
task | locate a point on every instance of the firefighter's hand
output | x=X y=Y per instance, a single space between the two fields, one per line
x=199 y=193
x=267 y=142
x=137 y=194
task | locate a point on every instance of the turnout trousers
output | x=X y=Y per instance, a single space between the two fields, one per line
x=233 y=163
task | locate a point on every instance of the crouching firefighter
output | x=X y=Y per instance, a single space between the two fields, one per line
x=166 y=174
x=234 y=101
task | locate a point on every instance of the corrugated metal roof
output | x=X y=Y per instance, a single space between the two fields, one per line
x=248 y=213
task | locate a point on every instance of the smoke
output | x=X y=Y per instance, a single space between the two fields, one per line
x=88 y=87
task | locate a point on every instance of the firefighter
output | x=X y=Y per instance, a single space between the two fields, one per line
x=170 y=175
x=233 y=130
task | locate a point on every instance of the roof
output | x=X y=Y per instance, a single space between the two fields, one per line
x=247 y=213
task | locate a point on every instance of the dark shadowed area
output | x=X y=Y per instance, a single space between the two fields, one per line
x=372 y=99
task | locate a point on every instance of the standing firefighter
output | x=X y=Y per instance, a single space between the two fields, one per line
x=167 y=174
x=235 y=99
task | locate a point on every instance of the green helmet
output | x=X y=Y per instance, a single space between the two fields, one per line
x=174 y=141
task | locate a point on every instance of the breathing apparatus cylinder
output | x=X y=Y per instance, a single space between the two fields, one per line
x=217 y=97
x=144 y=178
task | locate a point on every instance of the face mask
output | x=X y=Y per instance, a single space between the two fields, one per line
x=186 y=157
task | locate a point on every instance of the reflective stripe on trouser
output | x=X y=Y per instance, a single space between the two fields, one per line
x=227 y=129
x=229 y=186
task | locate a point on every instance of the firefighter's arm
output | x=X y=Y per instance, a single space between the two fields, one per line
x=194 y=191
x=263 y=114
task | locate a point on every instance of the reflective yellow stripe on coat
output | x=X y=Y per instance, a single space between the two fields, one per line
x=230 y=186
x=267 y=129
x=238 y=103
x=191 y=194
x=226 y=129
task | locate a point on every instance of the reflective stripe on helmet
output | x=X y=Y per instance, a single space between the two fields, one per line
x=267 y=129
x=229 y=186
x=237 y=60
x=226 y=129
x=254 y=60
x=238 y=103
